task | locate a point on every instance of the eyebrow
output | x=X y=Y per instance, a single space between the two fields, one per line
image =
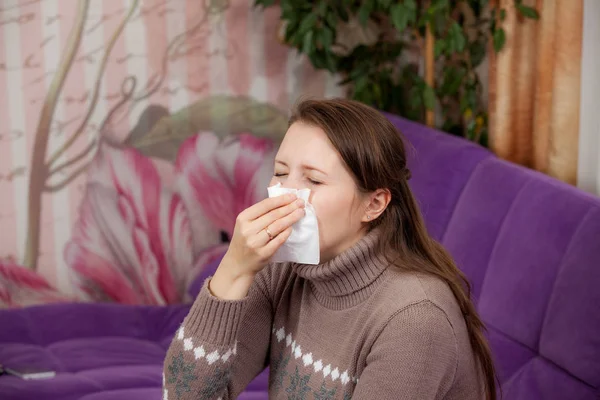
x=305 y=166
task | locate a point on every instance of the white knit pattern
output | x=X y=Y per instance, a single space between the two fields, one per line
x=200 y=352
x=309 y=359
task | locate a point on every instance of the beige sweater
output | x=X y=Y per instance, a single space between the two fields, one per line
x=349 y=328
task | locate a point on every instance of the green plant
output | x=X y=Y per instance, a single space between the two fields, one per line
x=378 y=47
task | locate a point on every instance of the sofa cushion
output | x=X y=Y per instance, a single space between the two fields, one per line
x=529 y=245
x=99 y=351
x=440 y=165
x=92 y=347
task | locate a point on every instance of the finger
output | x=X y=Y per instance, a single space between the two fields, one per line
x=264 y=206
x=272 y=246
x=281 y=224
x=269 y=232
x=273 y=215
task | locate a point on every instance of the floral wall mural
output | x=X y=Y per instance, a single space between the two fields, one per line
x=132 y=132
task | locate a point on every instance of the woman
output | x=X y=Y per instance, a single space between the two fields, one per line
x=383 y=316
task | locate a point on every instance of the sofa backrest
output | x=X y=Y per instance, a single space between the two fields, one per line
x=530 y=246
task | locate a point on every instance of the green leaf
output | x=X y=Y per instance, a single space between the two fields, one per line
x=322 y=8
x=411 y=9
x=316 y=60
x=307 y=44
x=470 y=96
x=327 y=38
x=364 y=12
x=478 y=50
x=439 y=47
x=440 y=4
x=331 y=20
x=502 y=14
x=330 y=62
x=290 y=33
x=416 y=100
x=360 y=84
x=464 y=104
x=499 y=39
x=399 y=15
x=471 y=129
x=452 y=81
x=457 y=37
x=528 y=12
x=437 y=12
x=376 y=92
x=343 y=14
x=307 y=23
x=264 y=3
x=429 y=97
x=287 y=8
x=484 y=138
x=223 y=115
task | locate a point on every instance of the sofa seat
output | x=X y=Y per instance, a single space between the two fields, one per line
x=99 y=351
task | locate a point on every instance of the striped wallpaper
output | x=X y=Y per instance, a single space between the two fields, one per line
x=179 y=51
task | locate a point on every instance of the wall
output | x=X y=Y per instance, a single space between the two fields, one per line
x=588 y=173
x=73 y=72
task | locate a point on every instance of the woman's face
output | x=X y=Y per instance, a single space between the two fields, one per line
x=307 y=159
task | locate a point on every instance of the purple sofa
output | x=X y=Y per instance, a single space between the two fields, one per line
x=529 y=244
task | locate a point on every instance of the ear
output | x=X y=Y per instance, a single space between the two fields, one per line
x=376 y=204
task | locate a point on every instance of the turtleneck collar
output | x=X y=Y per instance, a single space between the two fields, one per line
x=347 y=279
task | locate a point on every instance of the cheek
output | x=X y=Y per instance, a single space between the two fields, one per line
x=333 y=208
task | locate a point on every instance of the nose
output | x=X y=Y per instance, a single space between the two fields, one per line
x=292 y=181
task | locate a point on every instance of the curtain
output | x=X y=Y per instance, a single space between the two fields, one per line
x=535 y=84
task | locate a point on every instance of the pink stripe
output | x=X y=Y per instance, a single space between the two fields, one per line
x=116 y=68
x=35 y=92
x=8 y=222
x=154 y=14
x=76 y=102
x=276 y=55
x=196 y=49
x=238 y=63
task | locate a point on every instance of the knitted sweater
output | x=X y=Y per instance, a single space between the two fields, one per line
x=352 y=327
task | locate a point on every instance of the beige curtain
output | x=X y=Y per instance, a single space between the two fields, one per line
x=535 y=88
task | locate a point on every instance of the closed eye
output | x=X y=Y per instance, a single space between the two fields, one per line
x=312 y=181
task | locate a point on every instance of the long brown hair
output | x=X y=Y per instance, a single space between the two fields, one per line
x=374 y=151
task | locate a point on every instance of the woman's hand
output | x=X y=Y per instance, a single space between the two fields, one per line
x=259 y=231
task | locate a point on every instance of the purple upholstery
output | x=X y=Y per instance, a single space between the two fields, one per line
x=100 y=351
x=528 y=243
x=530 y=246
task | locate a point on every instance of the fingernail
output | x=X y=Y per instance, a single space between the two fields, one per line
x=300 y=202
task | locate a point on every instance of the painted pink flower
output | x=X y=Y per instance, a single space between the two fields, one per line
x=132 y=242
x=21 y=287
x=219 y=178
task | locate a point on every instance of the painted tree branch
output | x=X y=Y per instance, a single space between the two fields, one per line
x=66 y=181
x=173 y=45
x=127 y=89
x=38 y=172
x=74 y=160
x=96 y=91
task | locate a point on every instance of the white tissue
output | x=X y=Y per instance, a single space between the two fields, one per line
x=303 y=244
